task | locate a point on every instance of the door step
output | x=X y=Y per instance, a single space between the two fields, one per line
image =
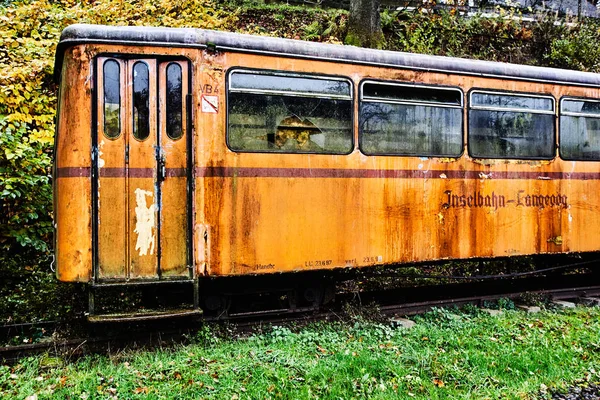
x=149 y=315
x=143 y=300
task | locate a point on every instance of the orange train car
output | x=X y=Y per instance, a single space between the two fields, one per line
x=183 y=154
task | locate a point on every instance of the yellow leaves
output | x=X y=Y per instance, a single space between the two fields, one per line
x=438 y=382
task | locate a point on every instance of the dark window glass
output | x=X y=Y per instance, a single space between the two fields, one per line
x=277 y=83
x=496 y=130
x=492 y=100
x=580 y=130
x=112 y=99
x=507 y=134
x=141 y=101
x=581 y=107
x=390 y=124
x=414 y=94
x=273 y=122
x=174 y=102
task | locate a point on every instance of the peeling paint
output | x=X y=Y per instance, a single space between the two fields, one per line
x=447 y=160
x=493 y=161
x=100 y=154
x=557 y=240
x=145 y=221
x=441 y=218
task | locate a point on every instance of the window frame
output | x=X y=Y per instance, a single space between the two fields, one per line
x=573 y=114
x=470 y=107
x=284 y=73
x=182 y=98
x=132 y=108
x=418 y=103
x=121 y=107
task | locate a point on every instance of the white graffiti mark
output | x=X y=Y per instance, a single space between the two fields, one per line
x=144 y=225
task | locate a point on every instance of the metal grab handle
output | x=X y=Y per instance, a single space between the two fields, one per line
x=162 y=168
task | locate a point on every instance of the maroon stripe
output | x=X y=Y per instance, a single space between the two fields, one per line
x=106 y=172
x=74 y=172
x=176 y=172
x=229 y=172
x=140 y=172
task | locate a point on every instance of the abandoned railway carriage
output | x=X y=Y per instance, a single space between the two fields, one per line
x=184 y=153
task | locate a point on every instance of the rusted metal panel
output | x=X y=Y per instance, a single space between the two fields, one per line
x=283 y=212
x=112 y=185
x=174 y=230
x=142 y=185
x=72 y=191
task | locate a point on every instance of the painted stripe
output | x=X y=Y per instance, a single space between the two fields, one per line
x=228 y=172
x=106 y=172
x=135 y=172
x=111 y=172
x=176 y=172
x=74 y=172
x=244 y=172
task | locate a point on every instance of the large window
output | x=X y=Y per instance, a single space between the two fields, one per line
x=507 y=125
x=277 y=112
x=580 y=129
x=399 y=119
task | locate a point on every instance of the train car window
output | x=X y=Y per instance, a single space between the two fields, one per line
x=289 y=113
x=174 y=102
x=507 y=125
x=397 y=119
x=141 y=101
x=112 y=98
x=580 y=129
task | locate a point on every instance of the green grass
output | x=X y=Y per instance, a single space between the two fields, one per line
x=448 y=355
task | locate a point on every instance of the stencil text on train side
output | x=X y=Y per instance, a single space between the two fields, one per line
x=477 y=199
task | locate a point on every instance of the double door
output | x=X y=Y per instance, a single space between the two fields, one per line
x=142 y=169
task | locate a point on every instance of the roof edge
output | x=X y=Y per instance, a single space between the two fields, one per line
x=228 y=41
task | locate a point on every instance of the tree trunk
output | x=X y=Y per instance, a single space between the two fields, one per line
x=364 y=25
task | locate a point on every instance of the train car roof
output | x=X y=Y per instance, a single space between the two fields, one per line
x=227 y=41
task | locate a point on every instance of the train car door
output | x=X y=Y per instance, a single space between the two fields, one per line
x=141 y=169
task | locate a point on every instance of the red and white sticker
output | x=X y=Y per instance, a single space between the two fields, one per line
x=210 y=104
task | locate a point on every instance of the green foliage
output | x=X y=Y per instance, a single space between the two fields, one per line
x=448 y=355
x=501 y=38
x=576 y=48
x=25 y=192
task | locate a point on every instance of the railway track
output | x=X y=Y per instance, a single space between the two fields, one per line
x=390 y=303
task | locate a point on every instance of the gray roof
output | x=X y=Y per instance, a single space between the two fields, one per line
x=226 y=41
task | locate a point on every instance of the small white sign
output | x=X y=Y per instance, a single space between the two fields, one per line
x=210 y=104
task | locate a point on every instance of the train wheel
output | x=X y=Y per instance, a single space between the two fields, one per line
x=217 y=304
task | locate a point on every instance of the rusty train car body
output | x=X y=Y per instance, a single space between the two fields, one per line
x=184 y=153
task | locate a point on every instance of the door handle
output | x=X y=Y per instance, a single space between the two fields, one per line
x=162 y=169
